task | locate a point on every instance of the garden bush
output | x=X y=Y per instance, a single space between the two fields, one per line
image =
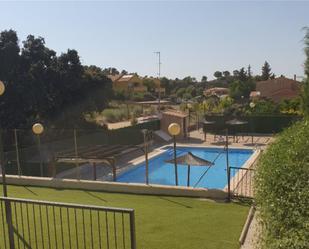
x=282 y=190
x=114 y=115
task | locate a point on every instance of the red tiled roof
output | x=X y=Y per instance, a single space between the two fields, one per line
x=114 y=77
x=279 y=88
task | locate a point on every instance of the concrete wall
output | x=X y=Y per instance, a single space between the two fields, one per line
x=168 y=118
x=116 y=187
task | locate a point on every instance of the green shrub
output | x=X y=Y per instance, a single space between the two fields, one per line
x=133 y=120
x=114 y=115
x=282 y=190
x=137 y=110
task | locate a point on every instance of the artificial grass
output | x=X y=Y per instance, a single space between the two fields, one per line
x=161 y=222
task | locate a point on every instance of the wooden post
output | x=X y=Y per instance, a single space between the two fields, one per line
x=40 y=153
x=227 y=158
x=17 y=152
x=145 y=133
x=188 y=182
x=114 y=170
x=94 y=171
x=229 y=184
x=52 y=168
x=76 y=154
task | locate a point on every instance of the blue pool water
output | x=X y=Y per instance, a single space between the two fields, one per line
x=164 y=173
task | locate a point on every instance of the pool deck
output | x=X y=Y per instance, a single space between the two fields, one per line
x=242 y=141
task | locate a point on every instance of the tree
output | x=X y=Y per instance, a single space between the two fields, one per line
x=189 y=80
x=41 y=86
x=249 y=72
x=236 y=73
x=266 y=71
x=9 y=54
x=167 y=84
x=226 y=74
x=180 y=92
x=305 y=92
x=218 y=74
x=264 y=106
x=242 y=76
x=110 y=71
x=239 y=89
x=124 y=72
x=150 y=84
x=204 y=79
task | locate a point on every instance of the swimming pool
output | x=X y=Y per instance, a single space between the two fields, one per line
x=164 y=173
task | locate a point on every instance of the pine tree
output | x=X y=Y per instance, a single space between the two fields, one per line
x=242 y=74
x=266 y=71
x=249 y=72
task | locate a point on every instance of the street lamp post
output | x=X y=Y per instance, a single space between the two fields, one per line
x=8 y=209
x=174 y=130
x=145 y=133
x=5 y=192
x=38 y=129
x=252 y=105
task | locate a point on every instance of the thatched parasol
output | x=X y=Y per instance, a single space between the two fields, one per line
x=190 y=160
x=236 y=122
x=208 y=122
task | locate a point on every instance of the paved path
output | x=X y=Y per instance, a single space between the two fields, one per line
x=252 y=236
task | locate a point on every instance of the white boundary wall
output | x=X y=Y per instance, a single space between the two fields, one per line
x=115 y=187
x=118 y=187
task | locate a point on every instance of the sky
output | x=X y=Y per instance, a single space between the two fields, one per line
x=195 y=38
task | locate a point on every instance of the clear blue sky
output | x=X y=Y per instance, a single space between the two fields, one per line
x=195 y=38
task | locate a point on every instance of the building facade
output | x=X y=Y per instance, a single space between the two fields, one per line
x=134 y=83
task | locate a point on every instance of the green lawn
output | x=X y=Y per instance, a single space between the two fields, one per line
x=161 y=222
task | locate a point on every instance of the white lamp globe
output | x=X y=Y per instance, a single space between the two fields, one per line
x=174 y=129
x=2 y=87
x=252 y=104
x=37 y=128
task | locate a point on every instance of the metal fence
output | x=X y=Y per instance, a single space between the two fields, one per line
x=51 y=225
x=37 y=155
x=241 y=182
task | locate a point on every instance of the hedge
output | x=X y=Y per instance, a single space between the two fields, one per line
x=282 y=190
x=55 y=140
x=130 y=135
x=267 y=124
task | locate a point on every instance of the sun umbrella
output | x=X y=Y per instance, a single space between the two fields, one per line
x=236 y=122
x=208 y=122
x=190 y=160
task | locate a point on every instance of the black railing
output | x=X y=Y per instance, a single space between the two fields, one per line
x=51 y=225
x=241 y=182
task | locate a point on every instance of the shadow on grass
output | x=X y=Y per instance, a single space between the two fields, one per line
x=175 y=202
x=32 y=192
x=95 y=196
x=243 y=201
x=24 y=243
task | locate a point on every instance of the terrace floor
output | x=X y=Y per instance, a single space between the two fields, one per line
x=161 y=222
x=241 y=141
